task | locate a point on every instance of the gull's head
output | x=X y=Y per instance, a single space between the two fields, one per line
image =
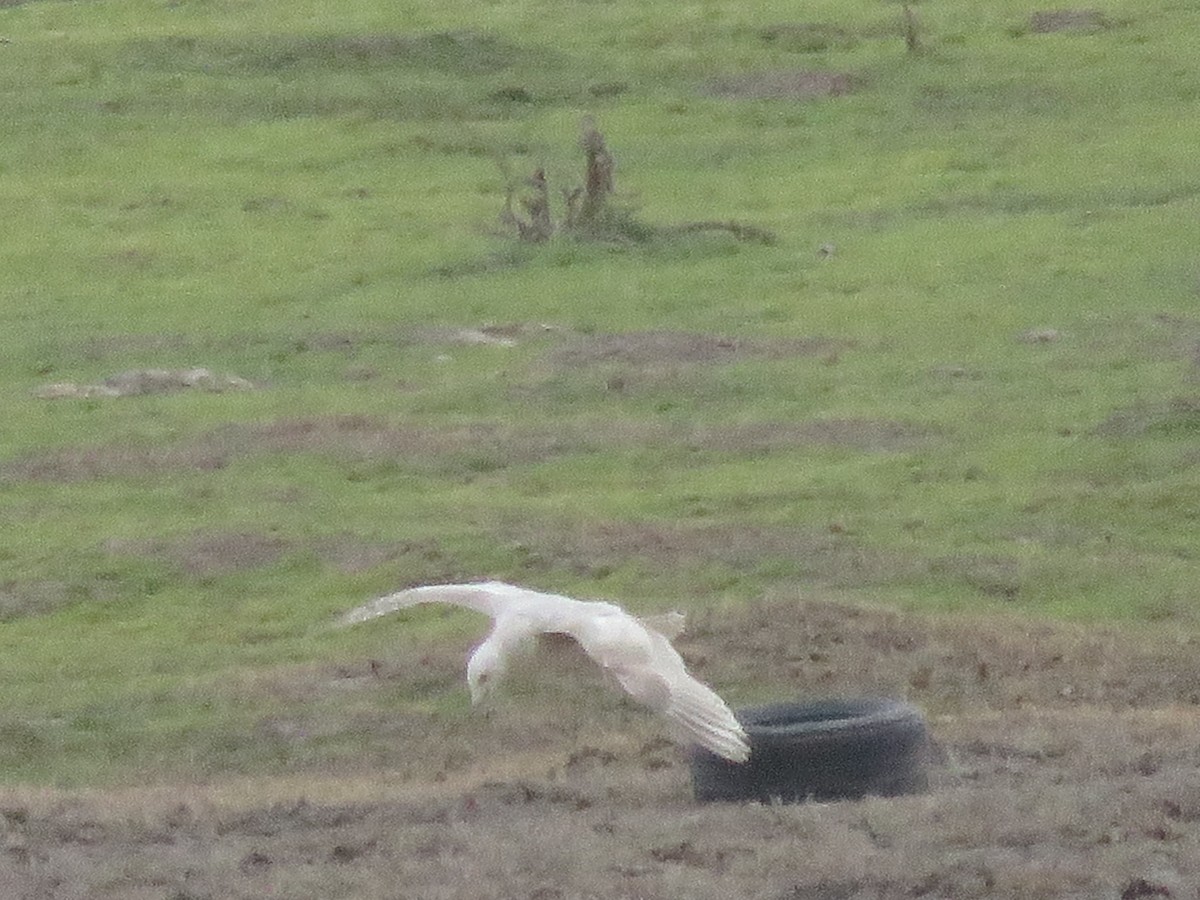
x=484 y=671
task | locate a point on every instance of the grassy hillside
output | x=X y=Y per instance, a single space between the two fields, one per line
x=964 y=377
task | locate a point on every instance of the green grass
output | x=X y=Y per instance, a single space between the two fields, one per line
x=309 y=199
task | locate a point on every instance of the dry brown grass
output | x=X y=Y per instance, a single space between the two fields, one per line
x=1069 y=768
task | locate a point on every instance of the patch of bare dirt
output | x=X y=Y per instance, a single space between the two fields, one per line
x=857 y=434
x=1052 y=20
x=32 y=598
x=655 y=348
x=994 y=576
x=207 y=554
x=1179 y=416
x=348 y=437
x=598 y=548
x=1069 y=770
x=785 y=84
x=88 y=463
x=350 y=554
x=475 y=447
x=454 y=450
x=957 y=665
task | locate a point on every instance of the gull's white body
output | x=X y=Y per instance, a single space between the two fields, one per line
x=638 y=654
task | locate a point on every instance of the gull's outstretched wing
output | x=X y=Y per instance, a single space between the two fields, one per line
x=695 y=711
x=537 y=610
x=670 y=625
x=637 y=652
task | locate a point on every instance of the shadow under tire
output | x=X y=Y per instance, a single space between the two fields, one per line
x=820 y=750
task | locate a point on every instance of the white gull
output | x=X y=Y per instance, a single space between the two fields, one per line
x=635 y=651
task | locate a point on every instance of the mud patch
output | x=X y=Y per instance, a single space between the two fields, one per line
x=785 y=84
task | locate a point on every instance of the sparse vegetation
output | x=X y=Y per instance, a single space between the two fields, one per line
x=945 y=425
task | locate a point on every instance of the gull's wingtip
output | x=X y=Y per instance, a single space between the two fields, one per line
x=739 y=751
x=380 y=606
x=730 y=744
x=354 y=616
x=482 y=596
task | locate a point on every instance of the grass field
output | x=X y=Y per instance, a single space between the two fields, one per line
x=962 y=383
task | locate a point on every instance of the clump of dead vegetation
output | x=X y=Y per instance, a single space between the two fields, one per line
x=592 y=210
x=140 y=382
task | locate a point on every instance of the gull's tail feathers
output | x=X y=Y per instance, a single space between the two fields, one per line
x=705 y=718
x=480 y=597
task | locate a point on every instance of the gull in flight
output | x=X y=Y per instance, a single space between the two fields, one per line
x=636 y=651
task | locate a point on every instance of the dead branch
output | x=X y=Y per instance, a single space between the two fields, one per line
x=598 y=177
x=539 y=226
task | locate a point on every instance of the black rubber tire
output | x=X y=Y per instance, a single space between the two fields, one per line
x=820 y=750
